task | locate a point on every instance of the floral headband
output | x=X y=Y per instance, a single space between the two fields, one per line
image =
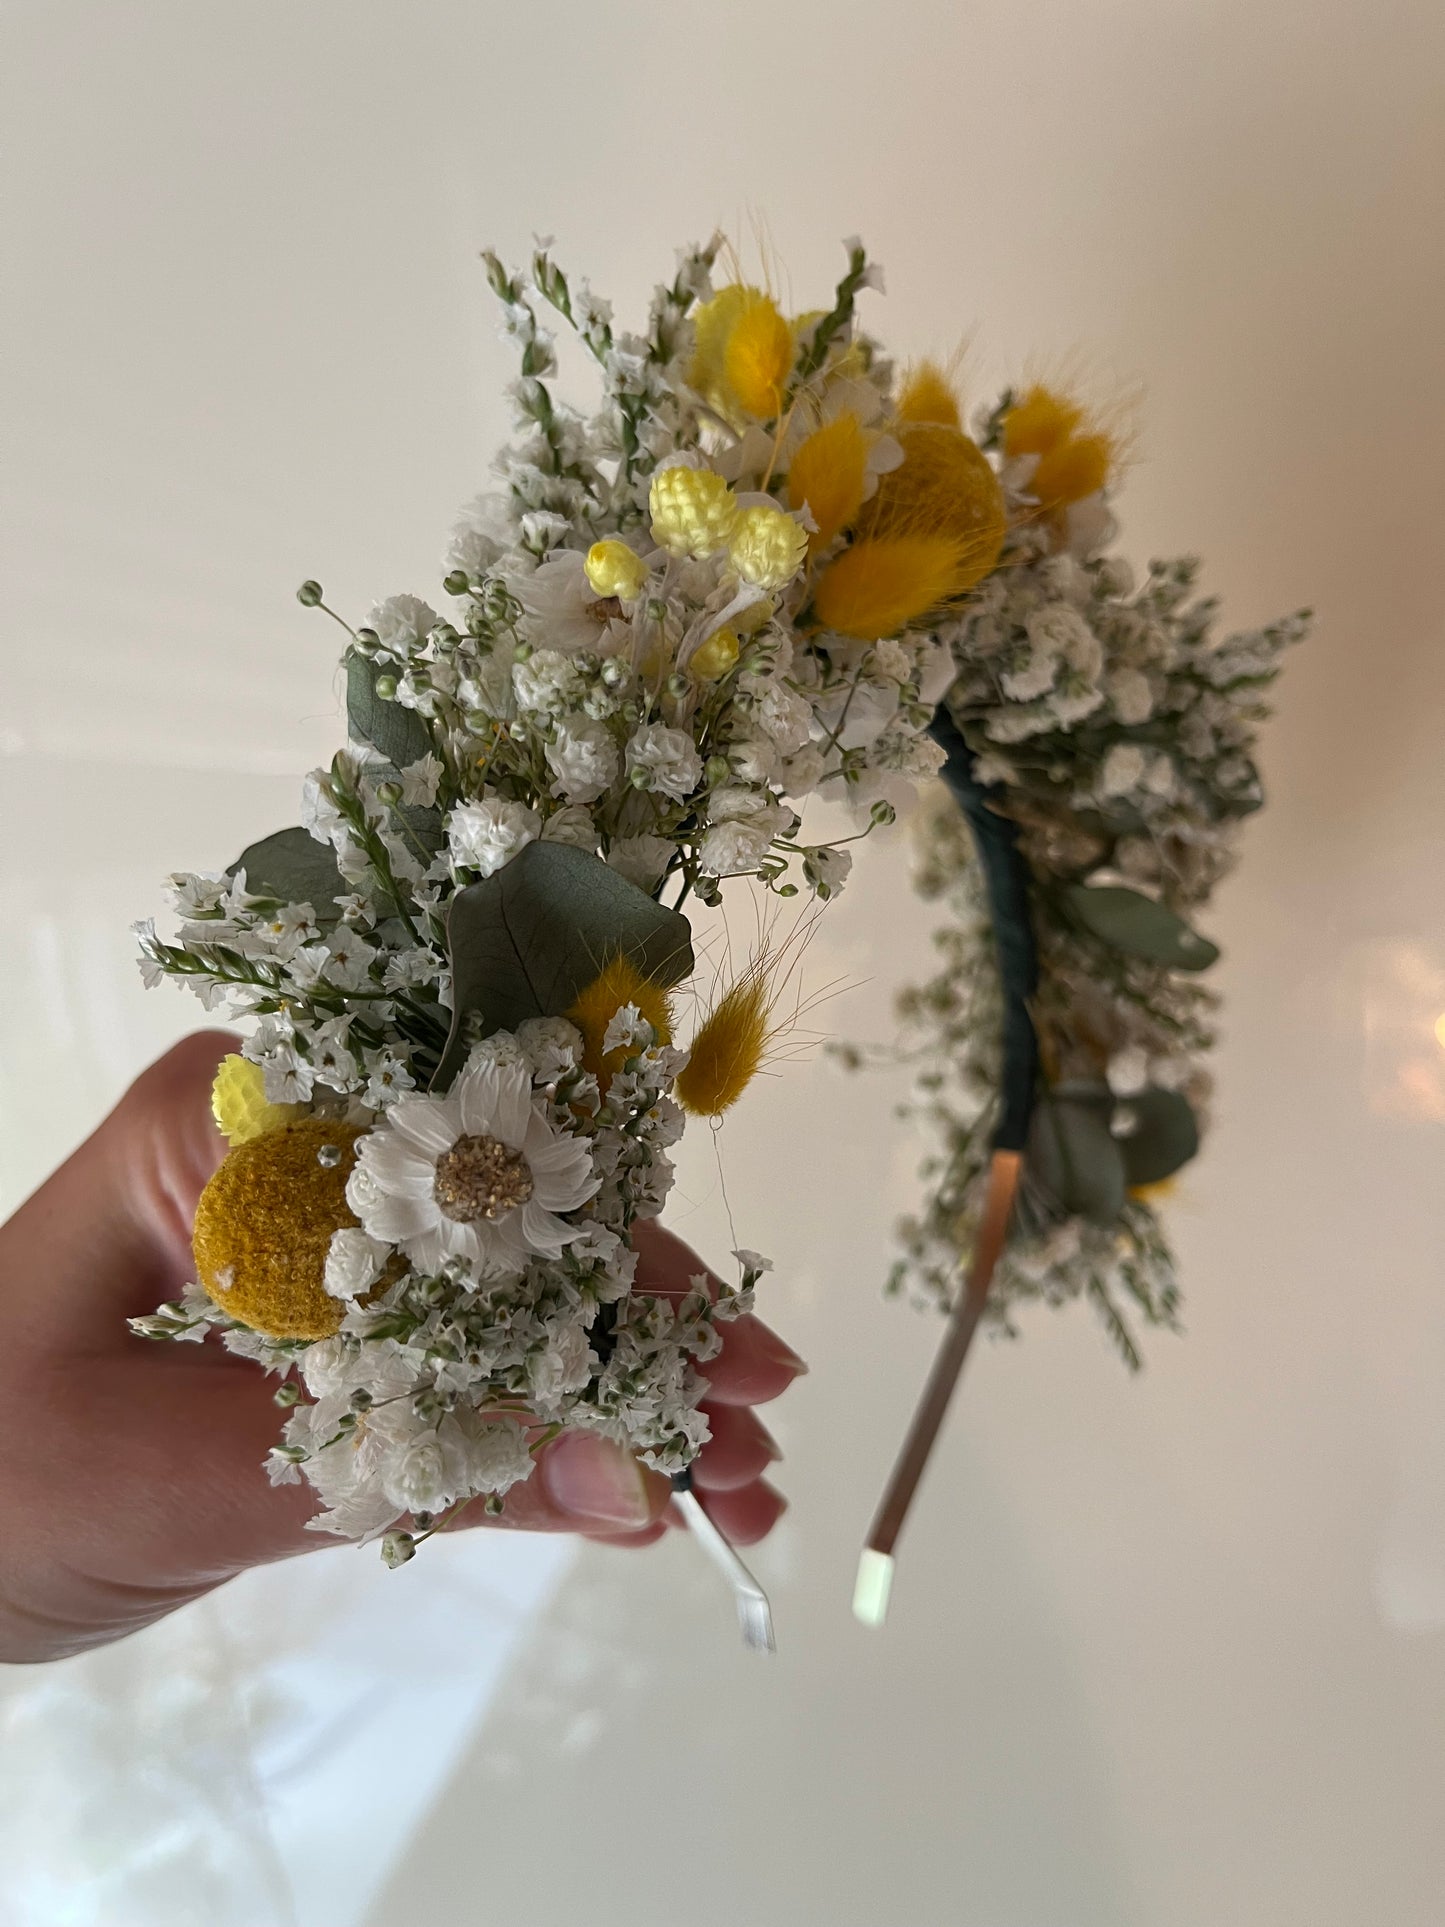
x=765 y=570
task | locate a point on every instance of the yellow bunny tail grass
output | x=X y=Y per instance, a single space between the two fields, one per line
x=712 y=324
x=829 y=473
x=239 y=1104
x=1038 y=421
x=727 y=1052
x=759 y=357
x=1074 y=470
x=617 y=984
x=881 y=584
x=928 y=395
x=943 y=486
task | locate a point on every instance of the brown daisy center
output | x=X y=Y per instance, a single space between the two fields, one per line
x=480 y=1177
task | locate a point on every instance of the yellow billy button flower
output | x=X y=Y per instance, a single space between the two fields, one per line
x=615 y=570
x=264 y=1225
x=693 y=511
x=239 y=1104
x=717 y=657
x=618 y=984
x=767 y=547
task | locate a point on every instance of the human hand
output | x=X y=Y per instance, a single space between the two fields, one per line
x=130 y=1479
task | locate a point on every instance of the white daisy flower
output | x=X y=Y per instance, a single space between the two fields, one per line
x=479 y=1174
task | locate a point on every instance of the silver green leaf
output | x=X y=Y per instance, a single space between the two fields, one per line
x=293 y=867
x=399 y=733
x=1157 y=1133
x=526 y=941
x=1072 y=1156
x=1138 y=926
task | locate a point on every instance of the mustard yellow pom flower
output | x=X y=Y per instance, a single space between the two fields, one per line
x=239 y=1104
x=767 y=547
x=615 y=570
x=264 y=1225
x=619 y=983
x=880 y=585
x=717 y=657
x=693 y=511
x=944 y=486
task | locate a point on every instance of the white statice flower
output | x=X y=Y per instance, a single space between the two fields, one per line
x=480 y=536
x=583 y=758
x=402 y=623
x=319 y=814
x=354 y=1262
x=548 y=682
x=732 y=849
x=827 y=869
x=483 y=836
x=1123 y=769
x=643 y=860
x=573 y=825
x=667 y=758
x=419 y=781
x=551 y=1046
x=753 y=759
x=565 y=1366
x=1129 y=692
x=784 y=716
x=387 y=1076
x=803 y=772
x=479 y=1174
x=332 y=1058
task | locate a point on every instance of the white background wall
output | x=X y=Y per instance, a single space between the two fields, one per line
x=1164 y=1654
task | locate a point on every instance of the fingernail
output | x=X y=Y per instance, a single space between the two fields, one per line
x=596 y=1480
x=783 y=1354
x=774 y=1450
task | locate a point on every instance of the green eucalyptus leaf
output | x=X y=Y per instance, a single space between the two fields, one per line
x=1159 y=1134
x=1072 y=1155
x=1138 y=926
x=399 y=733
x=294 y=868
x=527 y=940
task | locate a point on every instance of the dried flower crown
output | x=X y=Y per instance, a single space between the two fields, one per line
x=761 y=571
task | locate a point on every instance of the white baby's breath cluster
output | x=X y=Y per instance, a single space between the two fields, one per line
x=621 y=661
x=1116 y=730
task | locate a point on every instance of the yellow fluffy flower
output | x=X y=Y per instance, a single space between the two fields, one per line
x=944 y=486
x=717 y=657
x=928 y=395
x=615 y=570
x=1073 y=471
x=1076 y=457
x=767 y=547
x=743 y=354
x=758 y=358
x=693 y=511
x=828 y=473
x=727 y=1052
x=617 y=984
x=264 y=1225
x=239 y=1104
x=880 y=585
x=1038 y=421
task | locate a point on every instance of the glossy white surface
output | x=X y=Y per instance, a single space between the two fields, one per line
x=1162 y=1654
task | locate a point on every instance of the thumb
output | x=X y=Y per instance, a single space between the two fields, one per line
x=110 y=1231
